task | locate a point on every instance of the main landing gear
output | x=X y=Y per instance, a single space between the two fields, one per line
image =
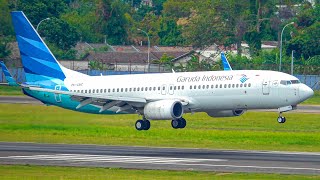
x=144 y=124
x=178 y=123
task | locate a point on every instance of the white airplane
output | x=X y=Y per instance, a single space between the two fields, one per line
x=165 y=96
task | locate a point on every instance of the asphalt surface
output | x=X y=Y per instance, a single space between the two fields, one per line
x=29 y=100
x=159 y=158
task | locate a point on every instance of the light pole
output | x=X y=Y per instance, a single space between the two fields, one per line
x=281 y=44
x=41 y=22
x=148 y=47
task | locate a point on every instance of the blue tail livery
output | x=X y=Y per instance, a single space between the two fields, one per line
x=225 y=62
x=8 y=76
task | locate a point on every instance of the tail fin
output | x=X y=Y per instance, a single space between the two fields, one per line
x=226 y=65
x=38 y=62
x=9 y=78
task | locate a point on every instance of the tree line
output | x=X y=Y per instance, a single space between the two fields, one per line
x=196 y=23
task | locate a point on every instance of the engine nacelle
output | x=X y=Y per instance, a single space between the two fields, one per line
x=163 y=109
x=226 y=113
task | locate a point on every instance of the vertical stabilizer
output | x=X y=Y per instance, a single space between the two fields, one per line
x=225 y=62
x=8 y=76
x=39 y=63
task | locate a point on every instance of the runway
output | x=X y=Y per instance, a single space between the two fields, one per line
x=160 y=158
x=29 y=100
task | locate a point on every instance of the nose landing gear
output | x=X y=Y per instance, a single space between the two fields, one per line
x=281 y=119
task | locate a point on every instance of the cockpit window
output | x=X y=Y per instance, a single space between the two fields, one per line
x=283 y=82
x=288 y=82
x=295 y=82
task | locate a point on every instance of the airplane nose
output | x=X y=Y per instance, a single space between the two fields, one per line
x=305 y=92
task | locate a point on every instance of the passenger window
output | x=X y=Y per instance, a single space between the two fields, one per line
x=130 y=89
x=89 y=90
x=207 y=86
x=182 y=87
x=233 y=85
x=159 y=88
x=178 y=87
x=163 y=88
x=217 y=86
x=229 y=86
x=249 y=85
x=146 y=89
x=175 y=87
x=93 y=90
x=85 y=91
x=245 y=85
x=81 y=91
x=237 y=85
x=138 y=89
x=142 y=89
x=134 y=89
x=108 y=90
x=190 y=86
x=220 y=85
x=225 y=86
x=194 y=87
x=170 y=87
x=241 y=85
x=105 y=90
x=212 y=86
x=199 y=87
x=150 y=88
x=154 y=88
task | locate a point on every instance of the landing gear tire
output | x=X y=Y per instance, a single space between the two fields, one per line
x=183 y=123
x=142 y=125
x=175 y=123
x=139 y=125
x=281 y=119
x=178 y=123
x=147 y=125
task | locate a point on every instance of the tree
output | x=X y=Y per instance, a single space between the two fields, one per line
x=36 y=10
x=306 y=43
x=60 y=33
x=169 y=33
x=113 y=21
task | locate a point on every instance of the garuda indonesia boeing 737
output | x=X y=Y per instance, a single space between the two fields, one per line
x=166 y=96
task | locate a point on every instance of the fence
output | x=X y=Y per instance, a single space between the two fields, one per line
x=312 y=81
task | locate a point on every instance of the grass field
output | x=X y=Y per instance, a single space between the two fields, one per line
x=10 y=91
x=253 y=130
x=47 y=172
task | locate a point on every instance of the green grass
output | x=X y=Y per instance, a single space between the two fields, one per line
x=48 y=172
x=252 y=131
x=10 y=91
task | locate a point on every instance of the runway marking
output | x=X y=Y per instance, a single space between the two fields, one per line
x=107 y=158
x=148 y=160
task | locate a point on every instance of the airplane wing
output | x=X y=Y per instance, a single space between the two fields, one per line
x=8 y=76
x=225 y=62
x=116 y=104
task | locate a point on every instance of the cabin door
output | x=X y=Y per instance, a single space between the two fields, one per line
x=266 y=87
x=57 y=96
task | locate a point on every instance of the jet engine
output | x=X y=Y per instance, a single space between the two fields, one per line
x=163 y=109
x=226 y=113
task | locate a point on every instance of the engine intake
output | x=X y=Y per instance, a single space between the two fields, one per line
x=163 y=110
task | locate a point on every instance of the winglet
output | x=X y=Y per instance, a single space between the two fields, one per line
x=9 y=78
x=226 y=65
